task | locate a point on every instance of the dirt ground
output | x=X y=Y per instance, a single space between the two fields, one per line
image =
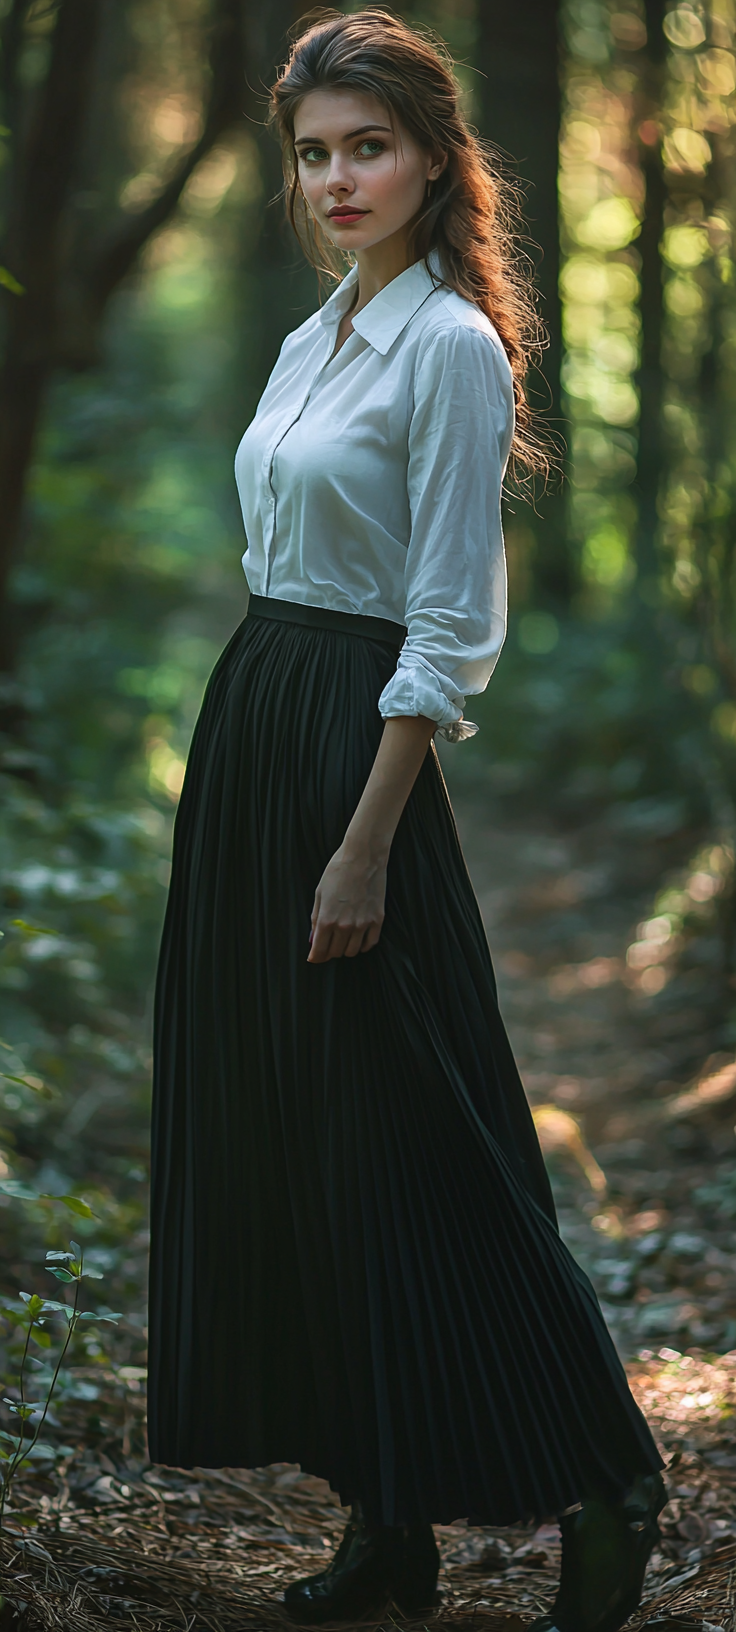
x=605 y=944
x=604 y=938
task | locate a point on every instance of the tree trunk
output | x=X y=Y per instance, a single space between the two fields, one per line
x=279 y=289
x=518 y=56
x=649 y=470
x=41 y=175
x=46 y=141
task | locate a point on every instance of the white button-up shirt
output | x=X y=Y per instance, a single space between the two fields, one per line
x=370 y=482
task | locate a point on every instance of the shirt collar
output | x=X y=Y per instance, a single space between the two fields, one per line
x=382 y=320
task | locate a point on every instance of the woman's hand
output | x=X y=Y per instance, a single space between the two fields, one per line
x=349 y=904
x=348 y=907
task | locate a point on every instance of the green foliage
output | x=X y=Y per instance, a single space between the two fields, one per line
x=587 y=715
x=128 y=587
x=27 y=1324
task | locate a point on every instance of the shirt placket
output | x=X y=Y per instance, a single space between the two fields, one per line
x=269 y=462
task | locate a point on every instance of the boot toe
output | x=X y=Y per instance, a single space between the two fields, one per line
x=303 y=1602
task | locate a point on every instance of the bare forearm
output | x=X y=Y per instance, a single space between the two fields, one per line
x=397 y=764
x=349 y=901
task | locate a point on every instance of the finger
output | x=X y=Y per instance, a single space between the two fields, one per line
x=330 y=940
x=355 y=943
x=320 y=951
x=371 y=937
x=340 y=938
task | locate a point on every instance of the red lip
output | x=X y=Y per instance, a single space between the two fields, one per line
x=346 y=215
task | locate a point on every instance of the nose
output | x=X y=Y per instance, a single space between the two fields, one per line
x=339 y=179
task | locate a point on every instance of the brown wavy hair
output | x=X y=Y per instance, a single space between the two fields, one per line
x=469 y=215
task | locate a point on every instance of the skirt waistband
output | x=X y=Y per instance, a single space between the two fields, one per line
x=322 y=617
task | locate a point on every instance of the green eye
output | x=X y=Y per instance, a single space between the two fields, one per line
x=313 y=155
x=369 y=149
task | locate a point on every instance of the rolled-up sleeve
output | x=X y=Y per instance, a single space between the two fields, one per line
x=459 y=440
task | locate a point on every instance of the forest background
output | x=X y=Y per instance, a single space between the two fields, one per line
x=146 y=283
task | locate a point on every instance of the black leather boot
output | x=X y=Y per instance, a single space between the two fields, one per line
x=605 y=1552
x=359 y=1576
x=414 y=1587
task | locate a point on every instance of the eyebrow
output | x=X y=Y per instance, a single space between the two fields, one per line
x=317 y=141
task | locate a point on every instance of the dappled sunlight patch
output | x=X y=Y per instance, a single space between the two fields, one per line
x=686 y=150
x=602 y=199
x=605 y=558
x=560 y=1135
x=685 y=1392
x=712 y=1090
x=684 y=907
x=588 y=976
x=648 y=956
x=165 y=768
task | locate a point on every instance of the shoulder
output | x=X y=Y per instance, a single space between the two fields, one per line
x=463 y=385
x=454 y=335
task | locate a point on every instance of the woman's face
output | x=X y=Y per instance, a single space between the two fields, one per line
x=362 y=180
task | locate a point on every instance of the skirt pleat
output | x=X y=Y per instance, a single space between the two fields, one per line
x=355 y=1261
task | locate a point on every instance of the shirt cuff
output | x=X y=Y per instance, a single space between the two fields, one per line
x=417 y=691
x=416 y=688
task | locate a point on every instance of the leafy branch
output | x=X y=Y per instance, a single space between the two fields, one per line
x=69 y=1268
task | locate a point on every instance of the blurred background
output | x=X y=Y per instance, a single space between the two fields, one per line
x=147 y=282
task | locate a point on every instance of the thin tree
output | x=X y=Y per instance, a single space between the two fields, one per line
x=649 y=464
x=59 y=279
x=518 y=55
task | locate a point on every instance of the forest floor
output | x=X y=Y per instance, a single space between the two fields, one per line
x=615 y=1010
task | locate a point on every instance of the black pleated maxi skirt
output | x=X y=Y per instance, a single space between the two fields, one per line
x=355 y=1263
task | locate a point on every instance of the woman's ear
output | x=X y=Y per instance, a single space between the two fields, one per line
x=437 y=168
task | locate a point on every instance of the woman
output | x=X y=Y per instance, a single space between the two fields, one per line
x=350 y=1211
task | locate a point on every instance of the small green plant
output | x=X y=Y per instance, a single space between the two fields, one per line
x=15 y=1449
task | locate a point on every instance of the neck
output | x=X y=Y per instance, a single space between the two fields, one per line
x=380 y=264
